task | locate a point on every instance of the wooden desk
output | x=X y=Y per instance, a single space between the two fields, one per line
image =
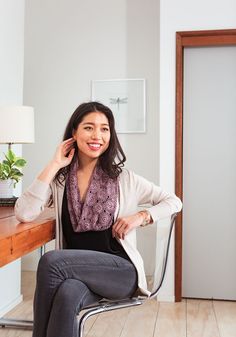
x=18 y=239
x=6 y=212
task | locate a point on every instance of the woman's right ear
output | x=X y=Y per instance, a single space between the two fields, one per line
x=73 y=135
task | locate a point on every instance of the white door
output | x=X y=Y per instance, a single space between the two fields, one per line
x=209 y=175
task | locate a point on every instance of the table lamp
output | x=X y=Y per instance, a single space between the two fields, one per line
x=16 y=127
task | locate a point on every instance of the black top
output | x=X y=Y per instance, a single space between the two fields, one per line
x=101 y=241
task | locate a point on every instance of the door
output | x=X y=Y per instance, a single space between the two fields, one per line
x=209 y=172
x=206 y=164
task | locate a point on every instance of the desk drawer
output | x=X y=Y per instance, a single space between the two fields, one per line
x=5 y=251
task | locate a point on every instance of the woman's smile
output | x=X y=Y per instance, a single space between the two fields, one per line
x=94 y=146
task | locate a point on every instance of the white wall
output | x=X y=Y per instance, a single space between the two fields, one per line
x=182 y=15
x=67 y=44
x=11 y=92
x=75 y=45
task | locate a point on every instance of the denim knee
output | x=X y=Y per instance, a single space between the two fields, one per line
x=48 y=261
x=73 y=295
x=69 y=290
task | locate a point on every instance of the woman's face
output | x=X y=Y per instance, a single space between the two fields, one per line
x=92 y=135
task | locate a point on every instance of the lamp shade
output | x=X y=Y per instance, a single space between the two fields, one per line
x=16 y=124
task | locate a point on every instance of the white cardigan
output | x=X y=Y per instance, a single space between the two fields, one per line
x=134 y=191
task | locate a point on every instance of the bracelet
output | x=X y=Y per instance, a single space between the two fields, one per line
x=147 y=218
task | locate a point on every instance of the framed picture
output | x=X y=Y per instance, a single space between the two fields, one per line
x=127 y=100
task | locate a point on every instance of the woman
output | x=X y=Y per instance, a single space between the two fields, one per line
x=95 y=203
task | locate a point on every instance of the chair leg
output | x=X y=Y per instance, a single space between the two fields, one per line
x=83 y=319
x=16 y=323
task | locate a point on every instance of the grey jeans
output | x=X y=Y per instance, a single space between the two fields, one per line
x=68 y=280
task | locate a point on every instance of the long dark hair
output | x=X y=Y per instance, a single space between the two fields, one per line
x=113 y=158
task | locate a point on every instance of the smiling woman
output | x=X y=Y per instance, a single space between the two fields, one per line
x=96 y=205
x=92 y=137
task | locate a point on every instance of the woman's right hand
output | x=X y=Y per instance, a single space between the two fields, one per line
x=64 y=153
x=63 y=157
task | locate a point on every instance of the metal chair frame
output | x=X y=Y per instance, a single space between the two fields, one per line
x=104 y=305
x=109 y=305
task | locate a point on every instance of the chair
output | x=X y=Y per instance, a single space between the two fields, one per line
x=109 y=305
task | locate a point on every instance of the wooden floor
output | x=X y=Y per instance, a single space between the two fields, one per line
x=190 y=318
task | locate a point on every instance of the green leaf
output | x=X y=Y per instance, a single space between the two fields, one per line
x=6 y=168
x=20 y=162
x=2 y=173
x=6 y=161
x=9 y=156
x=16 y=173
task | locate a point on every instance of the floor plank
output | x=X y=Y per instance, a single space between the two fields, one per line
x=226 y=317
x=141 y=320
x=15 y=333
x=171 y=320
x=201 y=320
x=109 y=324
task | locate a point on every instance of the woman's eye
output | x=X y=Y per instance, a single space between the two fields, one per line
x=105 y=129
x=88 y=128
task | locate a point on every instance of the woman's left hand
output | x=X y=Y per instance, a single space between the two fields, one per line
x=123 y=225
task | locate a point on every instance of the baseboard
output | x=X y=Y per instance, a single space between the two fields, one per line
x=10 y=305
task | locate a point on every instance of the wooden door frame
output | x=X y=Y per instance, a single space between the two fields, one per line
x=188 y=39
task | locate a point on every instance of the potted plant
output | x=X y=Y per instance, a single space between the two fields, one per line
x=10 y=173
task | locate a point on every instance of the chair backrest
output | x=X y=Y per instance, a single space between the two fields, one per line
x=164 y=232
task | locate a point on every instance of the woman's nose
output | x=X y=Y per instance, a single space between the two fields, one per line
x=96 y=134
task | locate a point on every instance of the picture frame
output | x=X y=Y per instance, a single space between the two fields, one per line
x=127 y=100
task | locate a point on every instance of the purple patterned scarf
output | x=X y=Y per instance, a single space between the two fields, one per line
x=97 y=211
